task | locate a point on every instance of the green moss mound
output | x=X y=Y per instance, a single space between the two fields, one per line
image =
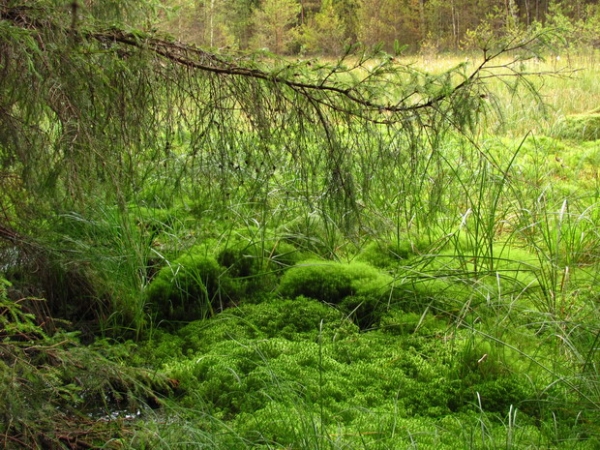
x=357 y=288
x=290 y=319
x=256 y=264
x=242 y=369
x=388 y=254
x=580 y=127
x=191 y=288
x=332 y=282
x=246 y=258
x=311 y=234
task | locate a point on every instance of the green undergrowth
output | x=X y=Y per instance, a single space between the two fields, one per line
x=57 y=393
x=259 y=264
x=459 y=315
x=459 y=340
x=481 y=333
x=300 y=372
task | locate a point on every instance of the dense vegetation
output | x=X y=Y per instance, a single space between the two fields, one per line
x=327 y=27
x=213 y=250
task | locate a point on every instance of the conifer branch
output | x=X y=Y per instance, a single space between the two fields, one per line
x=356 y=94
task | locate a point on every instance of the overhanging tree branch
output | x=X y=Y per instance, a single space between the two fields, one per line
x=359 y=94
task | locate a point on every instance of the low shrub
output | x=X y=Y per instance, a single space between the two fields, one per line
x=57 y=393
x=248 y=256
x=241 y=259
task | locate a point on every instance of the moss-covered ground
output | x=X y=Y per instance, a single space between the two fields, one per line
x=447 y=300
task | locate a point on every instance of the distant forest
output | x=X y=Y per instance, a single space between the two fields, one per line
x=329 y=27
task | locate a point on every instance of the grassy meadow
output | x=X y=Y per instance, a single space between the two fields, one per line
x=438 y=292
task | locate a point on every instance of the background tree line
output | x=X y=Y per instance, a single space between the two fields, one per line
x=327 y=27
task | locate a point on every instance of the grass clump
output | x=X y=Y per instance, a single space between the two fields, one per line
x=312 y=234
x=398 y=323
x=247 y=256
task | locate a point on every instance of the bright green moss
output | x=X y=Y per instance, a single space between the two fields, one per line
x=359 y=289
x=388 y=254
x=296 y=319
x=581 y=127
x=191 y=287
x=332 y=282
